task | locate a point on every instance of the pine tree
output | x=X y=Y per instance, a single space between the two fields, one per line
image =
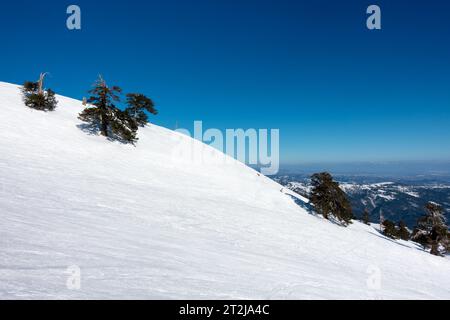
x=138 y=104
x=105 y=116
x=389 y=229
x=402 y=231
x=366 y=217
x=431 y=230
x=36 y=97
x=328 y=199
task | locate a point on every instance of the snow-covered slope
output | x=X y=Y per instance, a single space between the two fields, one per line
x=147 y=222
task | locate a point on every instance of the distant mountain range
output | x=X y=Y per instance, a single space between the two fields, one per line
x=400 y=199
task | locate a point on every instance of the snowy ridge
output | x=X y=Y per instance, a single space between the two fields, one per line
x=144 y=222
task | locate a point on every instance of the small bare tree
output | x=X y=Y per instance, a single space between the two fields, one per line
x=41 y=82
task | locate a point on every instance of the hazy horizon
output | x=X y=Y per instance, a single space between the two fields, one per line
x=429 y=168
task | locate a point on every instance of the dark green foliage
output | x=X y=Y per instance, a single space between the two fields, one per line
x=431 y=230
x=30 y=86
x=402 y=231
x=399 y=231
x=366 y=217
x=138 y=105
x=124 y=126
x=106 y=117
x=328 y=199
x=37 y=99
x=389 y=229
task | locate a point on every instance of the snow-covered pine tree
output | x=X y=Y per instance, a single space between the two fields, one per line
x=36 y=97
x=138 y=105
x=105 y=116
x=431 y=230
x=329 y=199
x=124 y=126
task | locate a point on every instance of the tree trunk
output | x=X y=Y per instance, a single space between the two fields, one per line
x=103 y=115
x=41 y=83
x=434 y=248
x=104 y=127
x=435 y=242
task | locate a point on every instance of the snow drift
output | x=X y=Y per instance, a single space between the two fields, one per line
x=144 y=222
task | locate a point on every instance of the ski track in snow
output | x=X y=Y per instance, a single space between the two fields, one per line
x=145 y=222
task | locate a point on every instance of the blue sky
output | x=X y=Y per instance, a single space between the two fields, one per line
x=337 y=91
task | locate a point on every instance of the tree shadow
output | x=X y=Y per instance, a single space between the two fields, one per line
x=415 y=246
x=93 y=129
x=309 y=208
x=89 y=128
x=306 y=206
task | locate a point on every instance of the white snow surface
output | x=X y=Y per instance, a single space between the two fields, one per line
x=146 y=223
